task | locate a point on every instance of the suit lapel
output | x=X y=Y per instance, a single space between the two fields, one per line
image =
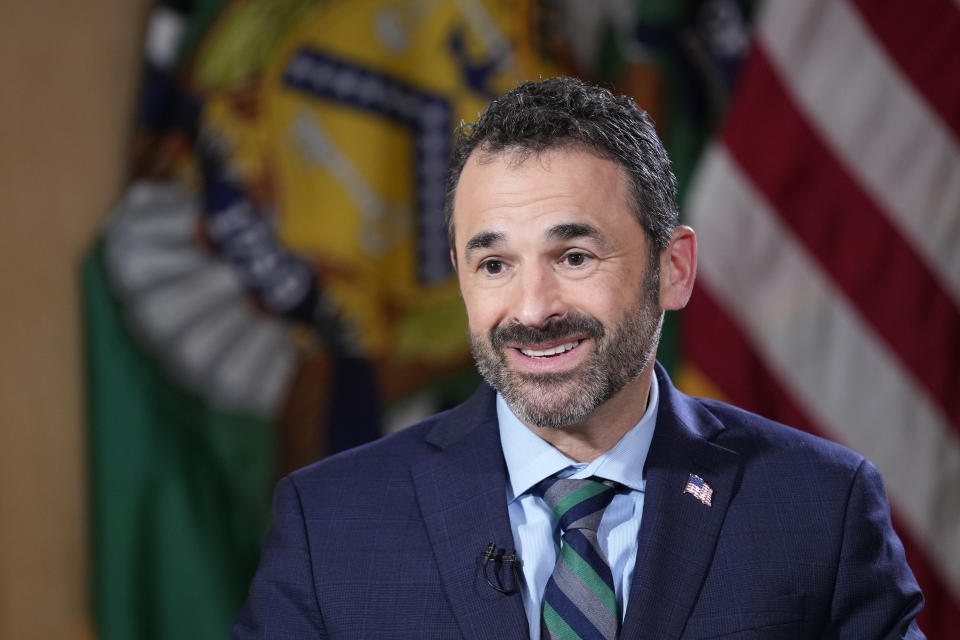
x=678 y=533
x=461 y=488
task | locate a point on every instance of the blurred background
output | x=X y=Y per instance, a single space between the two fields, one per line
x=223 y=257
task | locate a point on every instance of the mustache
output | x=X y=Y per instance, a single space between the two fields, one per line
x=553 y=329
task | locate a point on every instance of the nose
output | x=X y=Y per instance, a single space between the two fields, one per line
x=537 y=296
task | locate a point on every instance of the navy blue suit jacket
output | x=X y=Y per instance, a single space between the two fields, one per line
x=383 y=541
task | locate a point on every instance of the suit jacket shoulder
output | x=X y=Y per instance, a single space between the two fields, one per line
x=796 y=535
x=384 y=541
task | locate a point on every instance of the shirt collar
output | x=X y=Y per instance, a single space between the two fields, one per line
x=530 y=458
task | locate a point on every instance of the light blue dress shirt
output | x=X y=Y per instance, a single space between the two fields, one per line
x=530 y=459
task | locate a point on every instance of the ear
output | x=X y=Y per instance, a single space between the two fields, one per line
x=678 y=269
x=453 y=260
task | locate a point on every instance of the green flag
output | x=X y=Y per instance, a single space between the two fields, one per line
x=179 y=489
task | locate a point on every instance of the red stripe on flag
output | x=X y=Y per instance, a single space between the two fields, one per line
x=720 y=350
x=723 y=353
x=922 y=38
x=843 y=228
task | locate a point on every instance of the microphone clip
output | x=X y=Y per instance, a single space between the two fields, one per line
x=499 y=558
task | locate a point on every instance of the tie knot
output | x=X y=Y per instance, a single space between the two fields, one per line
x=576 y=504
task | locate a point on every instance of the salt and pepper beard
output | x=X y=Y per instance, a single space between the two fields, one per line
x=621 y=353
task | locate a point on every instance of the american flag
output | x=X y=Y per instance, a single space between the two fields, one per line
x=828 y=217
x=698 y=489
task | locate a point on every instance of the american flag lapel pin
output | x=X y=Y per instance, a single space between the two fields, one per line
x=698 y=489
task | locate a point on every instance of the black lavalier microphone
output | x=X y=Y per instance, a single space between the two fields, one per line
x=501 y=557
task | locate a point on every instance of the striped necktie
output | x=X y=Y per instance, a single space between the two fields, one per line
x=580 y=601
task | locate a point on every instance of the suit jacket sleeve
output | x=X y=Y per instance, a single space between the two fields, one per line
x=875 y=594
x=282 y=601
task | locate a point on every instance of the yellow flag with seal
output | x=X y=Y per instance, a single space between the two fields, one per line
x=359 y=104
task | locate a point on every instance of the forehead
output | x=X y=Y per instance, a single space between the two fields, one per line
x=513 y=192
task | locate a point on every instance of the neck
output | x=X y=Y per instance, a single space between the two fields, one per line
x=587 y=440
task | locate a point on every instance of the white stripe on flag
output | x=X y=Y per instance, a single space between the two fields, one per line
x=871 y=116
x=825 y=354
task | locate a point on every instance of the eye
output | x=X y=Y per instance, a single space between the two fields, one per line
x=492 y=267
x=575 y=259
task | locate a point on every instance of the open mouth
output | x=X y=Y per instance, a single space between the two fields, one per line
x=551 y=352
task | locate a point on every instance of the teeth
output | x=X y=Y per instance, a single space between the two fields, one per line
x=546 y=353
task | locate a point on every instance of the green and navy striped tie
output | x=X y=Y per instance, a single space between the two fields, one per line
x=580 y=601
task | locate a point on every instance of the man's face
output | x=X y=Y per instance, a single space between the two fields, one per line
x=554 y=272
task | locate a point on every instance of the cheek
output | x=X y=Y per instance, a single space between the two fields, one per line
x=606 y=302
x=482 y=309
x=593 y=297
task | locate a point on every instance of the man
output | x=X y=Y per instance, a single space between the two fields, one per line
x=579 y=494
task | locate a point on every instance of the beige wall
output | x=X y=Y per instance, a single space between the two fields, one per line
x=68 y=76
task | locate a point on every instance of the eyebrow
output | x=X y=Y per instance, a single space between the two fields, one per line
x=572 y=230
x=483 y=240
